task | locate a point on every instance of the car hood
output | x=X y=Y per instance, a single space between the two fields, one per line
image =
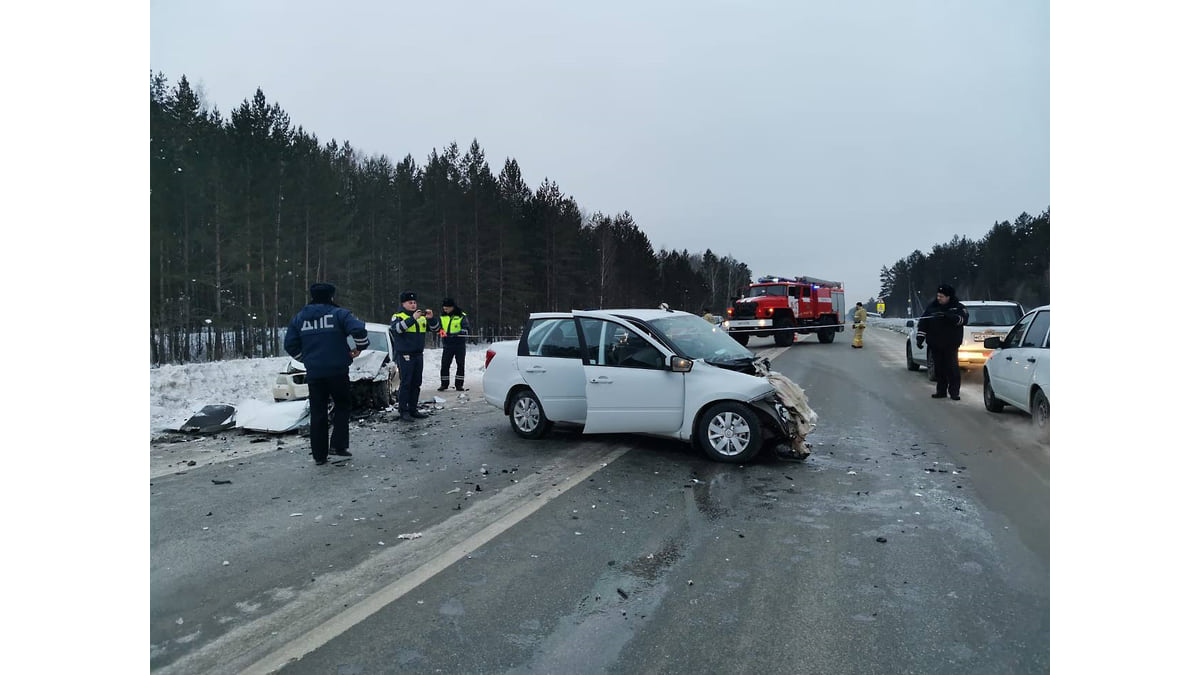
x=367 y=366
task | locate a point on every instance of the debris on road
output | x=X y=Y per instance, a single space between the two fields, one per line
x=410 y=535
x=222 y=482
x=295 y=514
x=882 y=540
x=623 y=594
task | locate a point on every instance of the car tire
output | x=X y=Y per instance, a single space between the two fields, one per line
x=729 y=431
x=912 y=365
x=990 y=401
x=1040 y=411
x=929 y=365
x=526 y=415
x=742 y=339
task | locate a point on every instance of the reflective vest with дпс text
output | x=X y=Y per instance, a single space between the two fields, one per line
x=411 y=339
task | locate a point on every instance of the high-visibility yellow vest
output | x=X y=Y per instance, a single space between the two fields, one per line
x=403 y=316
x=452 y=323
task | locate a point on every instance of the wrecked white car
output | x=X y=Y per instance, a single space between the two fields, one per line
x=658 y=372
x=374 y=377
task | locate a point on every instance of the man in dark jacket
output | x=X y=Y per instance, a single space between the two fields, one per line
x=316 y=337
x=409 y=327
x=453 y=332
x=942 y=325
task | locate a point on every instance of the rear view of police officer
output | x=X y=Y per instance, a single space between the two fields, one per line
x=316 y=337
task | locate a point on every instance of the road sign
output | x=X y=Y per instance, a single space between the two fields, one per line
x=879 y=307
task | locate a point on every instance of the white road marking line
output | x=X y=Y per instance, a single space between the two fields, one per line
x=442 y=545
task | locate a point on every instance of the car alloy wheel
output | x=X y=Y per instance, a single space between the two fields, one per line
x=527 y=417
x=729 y=432
x=1041 y=415
x=990 y=401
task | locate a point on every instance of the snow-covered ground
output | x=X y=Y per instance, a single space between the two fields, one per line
x=177 y=392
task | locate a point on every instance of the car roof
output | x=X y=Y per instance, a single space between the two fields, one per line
x=979 y=303
x=377 y=327
x=1038 y=308
x=643 y=314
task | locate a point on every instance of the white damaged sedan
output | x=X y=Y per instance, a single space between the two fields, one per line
x=650 y=371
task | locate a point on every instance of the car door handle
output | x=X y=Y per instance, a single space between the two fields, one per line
x=600 y=380
x=535 y=370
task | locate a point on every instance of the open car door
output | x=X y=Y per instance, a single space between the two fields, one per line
x=629 y=384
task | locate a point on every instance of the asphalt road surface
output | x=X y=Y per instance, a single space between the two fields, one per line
x=617 y=554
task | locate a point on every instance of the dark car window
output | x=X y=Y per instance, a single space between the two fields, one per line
x=999 y=315
x=555 y=338
x=1014 y=336
x=1038 y=330
x=611 y=344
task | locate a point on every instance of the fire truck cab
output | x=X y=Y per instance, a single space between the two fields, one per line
x=784 y=307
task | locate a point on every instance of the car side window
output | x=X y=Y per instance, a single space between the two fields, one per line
x=1038 y=330
x=555 y=338
x=611 y=344
x=1018 y=332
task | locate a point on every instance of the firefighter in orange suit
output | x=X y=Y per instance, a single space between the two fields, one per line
x=860 y=324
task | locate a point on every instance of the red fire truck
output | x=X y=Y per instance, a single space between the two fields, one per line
x=783 y=307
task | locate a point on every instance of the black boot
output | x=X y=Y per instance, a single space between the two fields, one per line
x=418 y=415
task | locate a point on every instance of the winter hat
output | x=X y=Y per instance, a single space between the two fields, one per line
x=449 y=302
x=406 y=296
x=859 y=304
x=322 y=292
x=946 y=290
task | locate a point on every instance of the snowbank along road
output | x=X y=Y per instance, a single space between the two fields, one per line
x=915 y=539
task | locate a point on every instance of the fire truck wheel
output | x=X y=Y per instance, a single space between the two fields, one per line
x=785 y=337
x=826 y=335
x=742 y=339
x=729 y=431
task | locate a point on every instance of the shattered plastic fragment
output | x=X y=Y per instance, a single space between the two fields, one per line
x=851 y=473
x=295 y=514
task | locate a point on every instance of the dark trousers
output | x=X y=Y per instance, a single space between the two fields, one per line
x=945 y=369
x=320 y=391
x=411 y=368
x=454 y=350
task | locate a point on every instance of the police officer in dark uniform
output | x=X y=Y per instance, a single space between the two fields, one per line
x=942 y=325
x=453 y=332
x=316 y=337
x=408 y=329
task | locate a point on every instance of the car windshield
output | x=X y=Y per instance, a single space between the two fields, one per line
x=759 y=291
x=695 y=338
x=993 y=315
x=377 y=341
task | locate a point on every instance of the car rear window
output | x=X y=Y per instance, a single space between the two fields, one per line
x=996 y=315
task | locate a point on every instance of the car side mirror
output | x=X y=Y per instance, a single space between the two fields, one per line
x=908 y=324
x=991 y=343
x=680 y=364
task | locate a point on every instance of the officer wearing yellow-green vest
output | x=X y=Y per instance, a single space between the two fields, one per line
x=408 y=329
x=454 y=343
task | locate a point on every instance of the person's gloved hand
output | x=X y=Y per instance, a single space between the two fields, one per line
x=920 y=343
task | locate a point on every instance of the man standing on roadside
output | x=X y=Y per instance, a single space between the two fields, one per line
x=942 y=325
x=409 y=327
x=860 y=324
x=316 y=337
x=453 y=332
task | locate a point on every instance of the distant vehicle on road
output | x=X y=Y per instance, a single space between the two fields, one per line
x=986 y=318
x=650 y=371
x=1018 y=371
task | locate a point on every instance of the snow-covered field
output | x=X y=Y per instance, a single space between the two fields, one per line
x=177 y=392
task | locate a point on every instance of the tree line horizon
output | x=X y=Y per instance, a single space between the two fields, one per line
x=247 y=211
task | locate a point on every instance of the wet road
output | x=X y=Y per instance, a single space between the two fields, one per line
x=618 y=554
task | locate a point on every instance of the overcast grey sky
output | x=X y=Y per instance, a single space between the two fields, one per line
x=821 y=138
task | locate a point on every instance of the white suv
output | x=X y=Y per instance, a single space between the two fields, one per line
x=985 y=319
x=651 y=371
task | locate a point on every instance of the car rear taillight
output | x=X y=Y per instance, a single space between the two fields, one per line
x=487 y=360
